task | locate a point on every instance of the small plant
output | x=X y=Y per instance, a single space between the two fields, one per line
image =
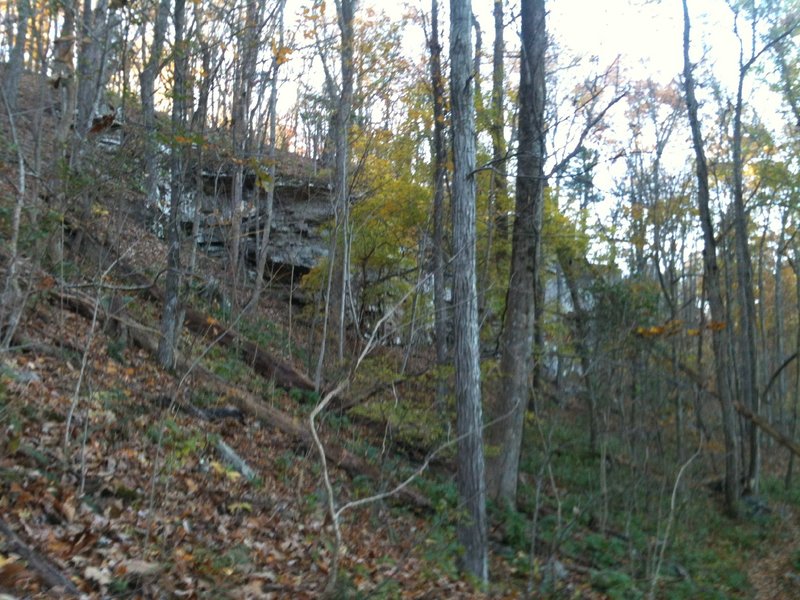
x=615 y=584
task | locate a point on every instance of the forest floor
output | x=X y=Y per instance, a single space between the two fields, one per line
x=114 y=482
x=775 y=574
x=127 y=496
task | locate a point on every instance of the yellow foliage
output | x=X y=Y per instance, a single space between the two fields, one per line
x=281 y=53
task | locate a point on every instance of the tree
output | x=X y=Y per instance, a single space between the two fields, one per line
x=472 y=532
x=439 y=172
x=170 y=318
x=147 y=81
x=506 y=416
x=720 y=335
x=15 y=62
x=279 y=57
x=744 y=269
x=245 y=73
x=345 y=10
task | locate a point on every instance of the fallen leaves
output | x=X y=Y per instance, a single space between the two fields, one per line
x=118 y=510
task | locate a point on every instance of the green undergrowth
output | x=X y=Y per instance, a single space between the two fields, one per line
x=616 y=532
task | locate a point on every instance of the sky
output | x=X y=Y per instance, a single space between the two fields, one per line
x=645 y=35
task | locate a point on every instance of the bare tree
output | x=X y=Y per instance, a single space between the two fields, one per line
x=15 y=62
x=719 y=334
x=508 y=410
x=147 y=89
x=263 y=245
x=245 y=74
x=439 y=172
x=472 y=531
x=345 y=10
x=170 y=318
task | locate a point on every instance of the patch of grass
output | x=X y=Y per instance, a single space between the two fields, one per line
x=305 y=398
x=181 y=443
x=615 y=584
x=226 y=363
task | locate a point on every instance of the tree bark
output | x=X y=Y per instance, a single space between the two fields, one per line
x=15 y=62
x=263 y=245
x=249 y=41
x=64 y=75
x=472 y=531
x=744 y=278
x=439 y=171
x=345 y=10
x=719 y=335
x=497 y=190
x=170 y=325
x=507 y=411
x=147 y=86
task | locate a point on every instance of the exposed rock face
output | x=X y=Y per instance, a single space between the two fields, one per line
x=300 y=209
x=295 y=238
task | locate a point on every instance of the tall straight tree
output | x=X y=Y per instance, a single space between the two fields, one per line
x=266 y=211
x=14 y=68
x=469 y=421
x=720 y=337
x=147 y=84
x=249 y=41
x=744 y=268
x=439 y=172
x=748 y=364
x=506 y=413
x=497 y=125
x=170 y=318
x=345 y=10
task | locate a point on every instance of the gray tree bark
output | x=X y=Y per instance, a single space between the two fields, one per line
x=507 y=412
x=64 y=73
x=15 y=61
x=472 y=530
x=170 y=319
x=719 y=335
x=147 y=83
x=439 y=172
x=91 y=64
x=263 y=245
x=345 y=10
x=241 y=130
x=497 y=189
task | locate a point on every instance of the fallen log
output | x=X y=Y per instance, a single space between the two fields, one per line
x=147 y=339
x=58 y=582
x=237 y=462
x=338 y=455
x=764 y=425
x=260 y=361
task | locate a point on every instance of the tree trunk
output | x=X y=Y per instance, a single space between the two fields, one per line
x=439 y=171
x=345 y=13
x=263 y=245
x=147 y=87
x=64 y=75
x=719 y=334
x=497 y=190
x=241 y=130
x=582 y=337
x=506 y=413
x=91 y=64
x=744 y=277
x=472 y=530
x=15 y=61
x=170 y=326
x=780 y=395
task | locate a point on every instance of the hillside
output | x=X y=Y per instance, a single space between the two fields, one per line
x=625 y=435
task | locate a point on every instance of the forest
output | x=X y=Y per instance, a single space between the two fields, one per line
x=351 y=299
